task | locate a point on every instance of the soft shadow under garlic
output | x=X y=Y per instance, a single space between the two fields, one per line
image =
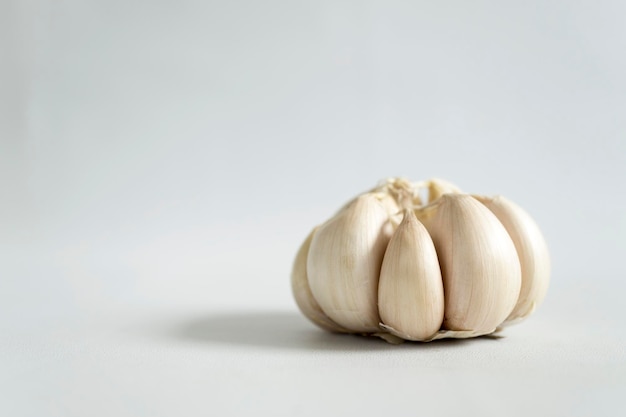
x=281 y=330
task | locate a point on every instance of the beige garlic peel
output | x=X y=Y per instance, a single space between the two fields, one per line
x=395 y=265
x=410 y=290
x=480 y=268
x=302 y=291
x=344 y=262
x=532 y=251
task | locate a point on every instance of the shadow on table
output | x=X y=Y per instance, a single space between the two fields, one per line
x=286 y=330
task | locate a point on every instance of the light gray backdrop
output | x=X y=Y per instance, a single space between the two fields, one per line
x=160 y=163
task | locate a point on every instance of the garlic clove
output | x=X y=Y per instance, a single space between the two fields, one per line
x=302 y=292
x=438 y=187
x=386 y=196
x=479 y=264
x=532 y=251
x=410 y=290
x=344 y=263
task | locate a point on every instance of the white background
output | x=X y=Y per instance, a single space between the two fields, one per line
x=160 y=163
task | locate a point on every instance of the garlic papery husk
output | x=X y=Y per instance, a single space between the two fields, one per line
x=404 y=194
x=532 y=251
x=302 y=292
x=344 y=262
x=410 y=290
x=479 y=263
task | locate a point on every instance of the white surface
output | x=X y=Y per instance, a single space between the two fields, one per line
x=269 y=361
x=161 y=162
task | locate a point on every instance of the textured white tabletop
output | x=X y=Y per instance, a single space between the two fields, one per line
x=567 y=360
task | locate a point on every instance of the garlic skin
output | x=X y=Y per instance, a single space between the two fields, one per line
x=344 y=263
x=479 y=264
x=438 y=187
x=400 y=264
x=302 y=292
x=532 y=251
x=410 y=290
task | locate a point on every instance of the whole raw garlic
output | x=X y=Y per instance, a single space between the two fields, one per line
x=391 y=265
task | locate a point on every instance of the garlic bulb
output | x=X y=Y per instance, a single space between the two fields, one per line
x=391 y=265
